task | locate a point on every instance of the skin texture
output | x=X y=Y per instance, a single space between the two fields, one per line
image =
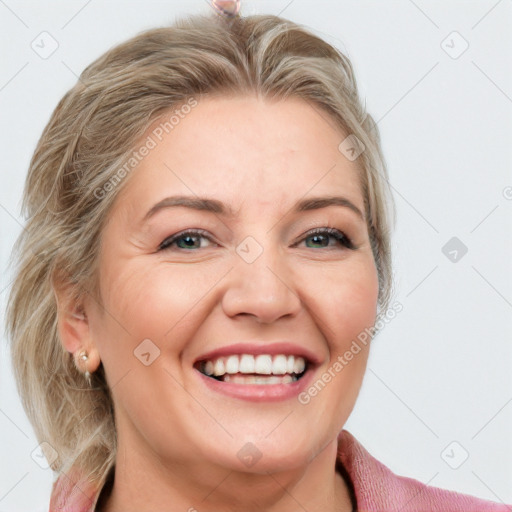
x=178 y=439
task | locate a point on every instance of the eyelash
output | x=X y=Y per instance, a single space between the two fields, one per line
x=168 y=241
x=338 y=235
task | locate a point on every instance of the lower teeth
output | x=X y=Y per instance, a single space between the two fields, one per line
x=253 y=379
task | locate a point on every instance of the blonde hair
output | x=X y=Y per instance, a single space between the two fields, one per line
x=92 y=133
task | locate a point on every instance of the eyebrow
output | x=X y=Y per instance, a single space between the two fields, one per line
x=195 y=203
x=316 y=203
x=215 y=206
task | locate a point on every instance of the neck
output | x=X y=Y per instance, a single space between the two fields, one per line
x=143 y=485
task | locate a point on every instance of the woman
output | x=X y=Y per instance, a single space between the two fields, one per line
x=208 y=238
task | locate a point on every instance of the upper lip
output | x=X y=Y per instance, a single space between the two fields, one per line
x=282 y=347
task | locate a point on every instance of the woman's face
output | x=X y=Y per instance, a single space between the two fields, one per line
x=216 y=259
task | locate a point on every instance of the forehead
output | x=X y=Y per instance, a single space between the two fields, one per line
x=245 y=151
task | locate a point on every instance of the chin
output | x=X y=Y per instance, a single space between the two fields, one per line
x=257 y=454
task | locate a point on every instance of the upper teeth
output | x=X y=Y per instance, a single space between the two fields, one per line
x=263 y=364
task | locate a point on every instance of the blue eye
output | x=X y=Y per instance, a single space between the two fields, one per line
x=320 y=237
x=185 y=240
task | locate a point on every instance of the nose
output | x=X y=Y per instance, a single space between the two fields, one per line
x=263 y=289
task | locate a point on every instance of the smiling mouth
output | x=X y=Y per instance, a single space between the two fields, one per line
x=262 y=369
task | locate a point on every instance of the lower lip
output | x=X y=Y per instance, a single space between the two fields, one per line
x=259 y=392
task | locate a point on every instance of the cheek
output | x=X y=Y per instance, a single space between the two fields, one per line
x=346 y=307
x=350 y=303
x=354 y=313
x=152 y=300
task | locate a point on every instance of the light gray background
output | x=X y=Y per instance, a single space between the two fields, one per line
x=440 y=371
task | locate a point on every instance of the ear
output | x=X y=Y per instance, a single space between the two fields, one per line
x=72 y=322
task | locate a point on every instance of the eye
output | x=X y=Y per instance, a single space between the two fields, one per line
x=321 y=238
x=186 y=240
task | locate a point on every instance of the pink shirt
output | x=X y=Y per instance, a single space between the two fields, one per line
x=376 y=488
